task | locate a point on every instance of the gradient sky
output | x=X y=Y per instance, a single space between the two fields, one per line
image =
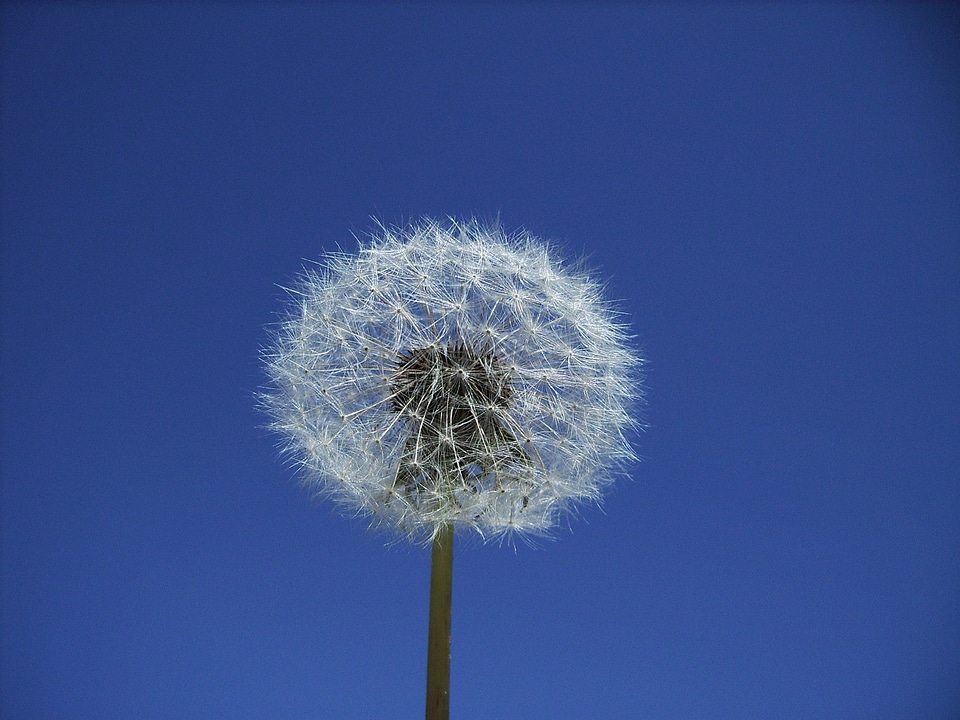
x=772 y=193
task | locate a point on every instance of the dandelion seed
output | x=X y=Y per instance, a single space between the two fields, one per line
x=457 y=376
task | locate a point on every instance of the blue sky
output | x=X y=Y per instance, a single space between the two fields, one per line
x=772 y=193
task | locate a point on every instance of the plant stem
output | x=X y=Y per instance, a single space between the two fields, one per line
x=438 y=644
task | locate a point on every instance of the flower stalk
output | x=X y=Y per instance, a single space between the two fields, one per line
x=438 y=643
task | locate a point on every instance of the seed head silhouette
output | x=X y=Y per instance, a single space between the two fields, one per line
x=448 y=373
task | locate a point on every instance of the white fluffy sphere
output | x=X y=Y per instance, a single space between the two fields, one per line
x=448 y=373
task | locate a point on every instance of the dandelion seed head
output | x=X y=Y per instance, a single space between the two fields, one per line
x=449 y=373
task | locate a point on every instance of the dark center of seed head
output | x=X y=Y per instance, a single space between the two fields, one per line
x=454 y=397
x=443 y=385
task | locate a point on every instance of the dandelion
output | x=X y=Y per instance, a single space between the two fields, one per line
x=449 y=375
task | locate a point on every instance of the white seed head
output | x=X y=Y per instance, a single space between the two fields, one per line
x=449 y=373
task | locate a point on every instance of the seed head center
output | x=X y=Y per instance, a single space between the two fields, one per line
x=448 y=386
x=455 y=397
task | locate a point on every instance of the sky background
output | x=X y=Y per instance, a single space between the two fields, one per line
x=772 y=193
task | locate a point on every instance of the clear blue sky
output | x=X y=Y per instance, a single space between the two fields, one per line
x=772 y=191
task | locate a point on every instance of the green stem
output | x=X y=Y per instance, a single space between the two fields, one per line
x=438 y=644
